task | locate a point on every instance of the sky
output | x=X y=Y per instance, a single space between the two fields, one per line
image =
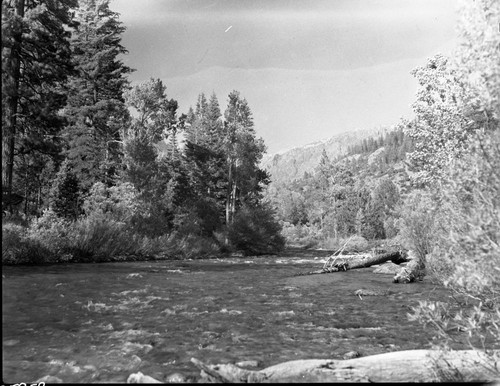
x=309 y=69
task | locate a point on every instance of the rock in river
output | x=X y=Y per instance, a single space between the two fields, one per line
x=388 y=268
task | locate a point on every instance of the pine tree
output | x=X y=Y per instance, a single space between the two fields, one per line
x=35 y=64
x=96 y=109
x=65 y=193
x=206 y=154
x=324 y=171
x=243 y=152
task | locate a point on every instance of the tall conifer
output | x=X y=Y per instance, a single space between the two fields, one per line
x=35 y=65
x=96 y=109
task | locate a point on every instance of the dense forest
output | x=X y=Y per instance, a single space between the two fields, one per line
x=100 y=169
x=353 y=194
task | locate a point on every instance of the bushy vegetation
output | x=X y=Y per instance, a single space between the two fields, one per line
x=453 y=221
x=464 y=247
x=256 y=232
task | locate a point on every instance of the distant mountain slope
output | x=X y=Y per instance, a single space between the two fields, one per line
x=290 y=165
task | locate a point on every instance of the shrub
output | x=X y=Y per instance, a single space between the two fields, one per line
x=416 y=222
x=255 y=231
x=19 y=248
x=194 y=247
x=466 y=253
x=305 y=236
x=390 y=227
x=99 y=238
x=119 y=202
x=52 y=233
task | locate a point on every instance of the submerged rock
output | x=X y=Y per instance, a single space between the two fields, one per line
x=369 y=292
x=388 y=268
x=351 y=355
x=49 y=379
x=117 y=360
x=176 y=378
x=10 y=342
x=249 y=363
x=141 y=378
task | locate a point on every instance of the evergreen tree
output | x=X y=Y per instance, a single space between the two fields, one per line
x=204 y=149
x=243 y=152
x=324 y=171
x=35 y=64
x=65 y=193
x=96 y=110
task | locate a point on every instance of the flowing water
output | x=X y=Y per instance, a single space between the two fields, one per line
x=101 y=322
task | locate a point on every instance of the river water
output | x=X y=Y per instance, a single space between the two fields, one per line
x=101 y=322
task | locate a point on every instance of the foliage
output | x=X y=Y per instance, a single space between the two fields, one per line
x=416 y=222
x=115 y=184
x=65 y=193
x=464 y=252
x=243 y=152
x=98 y=238
x=301 y=235
x=54 y=234
x=17 y=247
x=35 y=66
x=457 y=98
x=119 y=202
x=156 y=114
x=255 y=232
x=95 y=109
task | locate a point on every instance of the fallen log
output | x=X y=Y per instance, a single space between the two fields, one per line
x=415 y=270
x=347 y=262
x=399 y=366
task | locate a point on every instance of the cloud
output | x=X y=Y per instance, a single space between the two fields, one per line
x=319 y=11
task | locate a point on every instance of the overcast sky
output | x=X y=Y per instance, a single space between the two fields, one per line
x=307 y=68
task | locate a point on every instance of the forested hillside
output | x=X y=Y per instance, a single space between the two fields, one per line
x=292 y=164
x=353 y=191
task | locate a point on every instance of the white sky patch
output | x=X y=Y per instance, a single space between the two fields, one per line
x=228 y=28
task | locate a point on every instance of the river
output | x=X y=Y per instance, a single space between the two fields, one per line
x=87 y=323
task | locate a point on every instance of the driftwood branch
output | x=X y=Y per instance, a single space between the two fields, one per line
x=346 y=262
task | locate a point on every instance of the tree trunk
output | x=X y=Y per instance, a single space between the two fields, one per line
x=399 y=366
x=228 y=193
x=347 y=262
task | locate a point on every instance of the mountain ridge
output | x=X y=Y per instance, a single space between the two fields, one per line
x=291 y=164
